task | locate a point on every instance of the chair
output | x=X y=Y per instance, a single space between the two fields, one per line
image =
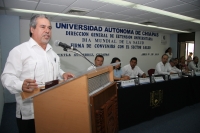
x=151 y=71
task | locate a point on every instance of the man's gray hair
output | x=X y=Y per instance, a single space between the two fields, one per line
x=33 y=21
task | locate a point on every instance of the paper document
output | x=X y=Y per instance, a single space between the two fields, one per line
x=132 y=77
x=144 y=80
x=174 y=76
x=197 y=73
x=158 y=79
x=128 y=83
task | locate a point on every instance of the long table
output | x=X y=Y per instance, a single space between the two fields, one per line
x=144 y=102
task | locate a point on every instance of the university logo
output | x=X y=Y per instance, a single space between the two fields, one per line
x=156 y=98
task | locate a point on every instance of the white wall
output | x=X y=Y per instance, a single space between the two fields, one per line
x=197 y=44
x=173 y=44
x=78 y=65
x=1 y=91
x=9 y=37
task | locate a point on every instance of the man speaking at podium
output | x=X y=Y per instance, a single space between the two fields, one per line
x=28 y=65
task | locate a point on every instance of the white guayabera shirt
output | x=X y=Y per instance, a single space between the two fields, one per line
x=128 y=71
x=29 y=61
x=162 y=69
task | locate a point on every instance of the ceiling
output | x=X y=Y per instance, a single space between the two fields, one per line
x=95 y=8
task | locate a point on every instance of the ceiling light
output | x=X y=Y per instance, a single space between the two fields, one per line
x=150 y=9
x=151 y=26
x=118 y=2
x=86 y=17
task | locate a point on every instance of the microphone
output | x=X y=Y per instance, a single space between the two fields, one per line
x=65 y=46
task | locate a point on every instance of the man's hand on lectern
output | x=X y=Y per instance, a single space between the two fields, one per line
x=67 y=76
x=29 y=85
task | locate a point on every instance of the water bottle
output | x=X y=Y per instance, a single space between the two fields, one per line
x=192 y=73
x=180 y=73
x=166 y=77
x=136 y=80
x=152 y=78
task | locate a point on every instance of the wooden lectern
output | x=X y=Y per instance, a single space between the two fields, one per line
x=86 y=104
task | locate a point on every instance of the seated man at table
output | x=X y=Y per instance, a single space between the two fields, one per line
x=171 y=66
x=176 y=63
x=132 y=70
x=193 y=65
x=162 y=67
x=98 y=61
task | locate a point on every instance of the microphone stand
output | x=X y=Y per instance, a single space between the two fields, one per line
x=79 y=53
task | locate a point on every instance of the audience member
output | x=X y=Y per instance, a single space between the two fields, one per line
x=189 y=58
x=162 y=67
x=169 y=53
x=98 y=61
x=193 y=65
x=117 y=70
x=171 y=66
x=182 y=65
x=132 y=70
x=176 y=63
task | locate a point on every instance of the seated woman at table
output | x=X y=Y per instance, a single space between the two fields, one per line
x=118 y=71
x=182 y=64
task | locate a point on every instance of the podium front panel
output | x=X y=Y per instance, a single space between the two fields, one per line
x=64 y=109
x=71 y=106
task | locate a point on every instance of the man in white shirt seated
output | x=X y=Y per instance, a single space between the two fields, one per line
x=171 y=66
x=98 y=62
x=193 y=65
x=132 y=70
x=162 y=67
